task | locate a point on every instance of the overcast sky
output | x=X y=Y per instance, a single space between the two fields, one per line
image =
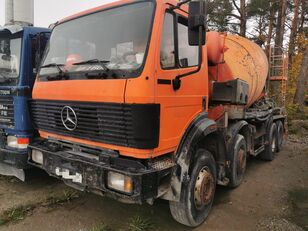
x=50 y=11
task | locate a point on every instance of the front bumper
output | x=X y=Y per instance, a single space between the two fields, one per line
x=14 y=158
x=94 y=169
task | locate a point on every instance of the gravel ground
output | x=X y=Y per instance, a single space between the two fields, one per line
x=277 y=224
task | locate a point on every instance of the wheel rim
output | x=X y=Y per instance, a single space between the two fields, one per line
x=204 y=188
x=280 y=135
x=241 y=162
x=273 y=144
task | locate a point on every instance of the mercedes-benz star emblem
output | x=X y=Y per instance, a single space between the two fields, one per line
x=69 y=118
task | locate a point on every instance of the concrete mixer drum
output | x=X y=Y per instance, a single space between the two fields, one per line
x=243 y=60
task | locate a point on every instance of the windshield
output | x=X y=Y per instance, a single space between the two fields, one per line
x=10 y=52
x=113 y=42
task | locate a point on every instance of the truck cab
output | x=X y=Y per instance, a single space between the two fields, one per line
x=19 y=56
x=134 y=100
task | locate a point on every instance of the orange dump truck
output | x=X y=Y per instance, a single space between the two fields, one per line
x=135 y=100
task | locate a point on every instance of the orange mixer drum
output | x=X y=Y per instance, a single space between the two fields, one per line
x=243 y=59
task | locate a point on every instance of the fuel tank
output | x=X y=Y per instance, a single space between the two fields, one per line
x=234 y=57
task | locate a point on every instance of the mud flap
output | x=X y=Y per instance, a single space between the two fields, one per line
x=7 y=170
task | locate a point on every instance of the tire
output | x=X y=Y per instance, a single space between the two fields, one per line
x=270 y=148
x=194 y=207
x=238 y=162
x=280 y=134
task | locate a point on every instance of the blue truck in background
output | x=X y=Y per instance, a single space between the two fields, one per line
x=21 y=49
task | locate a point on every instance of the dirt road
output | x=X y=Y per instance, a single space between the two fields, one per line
x=273 y=196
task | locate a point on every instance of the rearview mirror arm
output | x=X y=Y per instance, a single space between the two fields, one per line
x=178 y=6
x=176 y=83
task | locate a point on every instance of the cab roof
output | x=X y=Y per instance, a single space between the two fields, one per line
x=114 y=4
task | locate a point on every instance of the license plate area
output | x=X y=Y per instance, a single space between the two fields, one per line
x=68 y=175
x=75 y=171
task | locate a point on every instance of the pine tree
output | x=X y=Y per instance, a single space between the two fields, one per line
x=240 y=7
x=294 y=30
x=302 y=82
x=280 y=29
x=219 y=14
x=258 y=11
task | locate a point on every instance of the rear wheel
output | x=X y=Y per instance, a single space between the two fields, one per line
x=238 y=162
x=271 y=146
x=198 y=195
x=280 y=133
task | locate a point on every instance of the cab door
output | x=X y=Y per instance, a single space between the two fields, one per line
x=175 y=57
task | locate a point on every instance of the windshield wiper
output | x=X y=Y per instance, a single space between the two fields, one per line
x=54 y=65
x=95 y=61
x=62 y=74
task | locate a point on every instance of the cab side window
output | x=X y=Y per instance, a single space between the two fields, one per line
x=175 y=50
x=188 y=55
x=167 y=51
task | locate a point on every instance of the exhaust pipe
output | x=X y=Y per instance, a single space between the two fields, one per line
x=20 y=12
x=9 y=12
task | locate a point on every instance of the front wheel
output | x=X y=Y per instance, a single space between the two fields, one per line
x=198 y=195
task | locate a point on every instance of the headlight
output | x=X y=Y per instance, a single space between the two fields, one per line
x=120 y=182
x=14 y=142
x=37 y=157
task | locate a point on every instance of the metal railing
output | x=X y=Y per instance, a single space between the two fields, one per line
x=278 y=74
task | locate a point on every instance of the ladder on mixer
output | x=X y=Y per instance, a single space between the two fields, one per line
x=278 y=72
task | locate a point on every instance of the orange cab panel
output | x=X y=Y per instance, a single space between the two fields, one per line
x=81 y=90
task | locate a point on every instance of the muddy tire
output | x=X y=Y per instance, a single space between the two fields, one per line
x=270 y=148
x=280 y=134
x=238 y=162
x=198 y=195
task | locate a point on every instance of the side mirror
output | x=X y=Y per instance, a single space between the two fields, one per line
x=196 y=22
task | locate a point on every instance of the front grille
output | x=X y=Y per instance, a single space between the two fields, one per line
x=109 y=123
x=6 y=111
